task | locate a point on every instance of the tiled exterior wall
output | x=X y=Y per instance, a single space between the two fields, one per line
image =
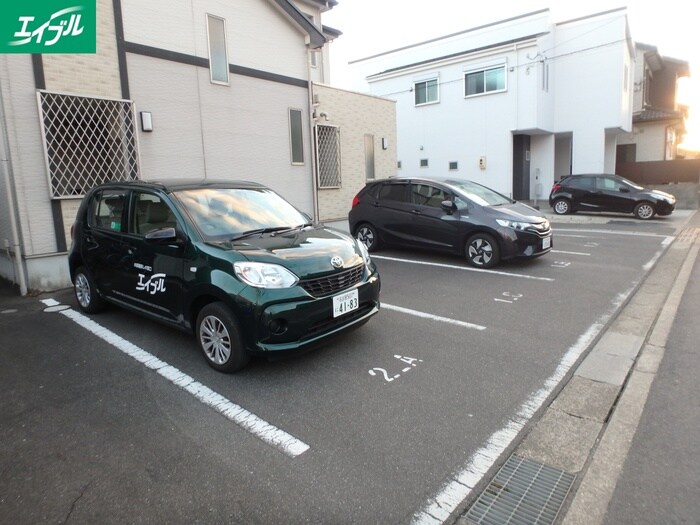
x=90 y=75
x=357 y=114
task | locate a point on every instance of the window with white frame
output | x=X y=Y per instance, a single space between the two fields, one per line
x=218 y=57
x=296 y=137
x=490 y=80
x=426 y=91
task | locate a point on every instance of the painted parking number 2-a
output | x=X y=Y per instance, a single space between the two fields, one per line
x=383 y=373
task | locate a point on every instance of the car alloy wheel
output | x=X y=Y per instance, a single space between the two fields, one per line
x=562 y=207
x=86 y=295
x=644 y=210
x=219 y=338
x=482 y=251
x=367 y=235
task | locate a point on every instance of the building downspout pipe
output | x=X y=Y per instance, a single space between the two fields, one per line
x=6 y=169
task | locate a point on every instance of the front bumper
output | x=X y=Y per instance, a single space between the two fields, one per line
x=518 y=243
x=309 y=321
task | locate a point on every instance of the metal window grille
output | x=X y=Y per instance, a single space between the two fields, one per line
x=328 y=151
x=87 y=141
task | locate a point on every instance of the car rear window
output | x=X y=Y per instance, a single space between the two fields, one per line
x=393 y=192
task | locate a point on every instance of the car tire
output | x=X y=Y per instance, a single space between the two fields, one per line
x=482 y=251
x=644 y=210
x=367 y=235
x=219 y=338
x=86 y=294
x=562 y=206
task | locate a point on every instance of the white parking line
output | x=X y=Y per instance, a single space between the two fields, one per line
x=438 y=509
x=609 y=232
x=261 y=429
x=432 y=317
x=465 y=268
x=570 y=253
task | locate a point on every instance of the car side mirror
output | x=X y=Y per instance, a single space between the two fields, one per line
x=448 y=206
x=162 y=235
x=624 y=190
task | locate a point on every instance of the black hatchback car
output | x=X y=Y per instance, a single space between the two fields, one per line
x=454 y=216
x=608 y=193
x=232 y=262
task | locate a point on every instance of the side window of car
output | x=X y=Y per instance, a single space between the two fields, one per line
x=604 y=183
x=582 y=183
x=150 y=213
x=107 y=210
x=427 y=195
x=393 y=192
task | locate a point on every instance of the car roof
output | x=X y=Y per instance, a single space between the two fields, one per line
x=439 y=180
x=170 y=185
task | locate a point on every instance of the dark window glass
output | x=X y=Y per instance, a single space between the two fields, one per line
x=427 y=195
x=583 y=183
x=150 y=213
x=296 y=136
x=107 y=210
x=393 y=192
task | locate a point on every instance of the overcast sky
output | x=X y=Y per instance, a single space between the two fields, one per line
x=374 y=26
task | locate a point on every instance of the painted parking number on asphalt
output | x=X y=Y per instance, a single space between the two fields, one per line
x=387 y=376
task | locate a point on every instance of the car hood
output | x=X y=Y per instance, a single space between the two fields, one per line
x=516 y=211
x=660 y=194
x=307 y=252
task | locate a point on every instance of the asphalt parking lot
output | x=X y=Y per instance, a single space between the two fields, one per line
x=114 y=419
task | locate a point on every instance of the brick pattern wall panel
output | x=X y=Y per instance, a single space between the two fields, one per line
x=357 y=114
x=88 y=74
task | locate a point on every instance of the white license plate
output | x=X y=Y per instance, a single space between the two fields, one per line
x=546 y=242
x=345 y=303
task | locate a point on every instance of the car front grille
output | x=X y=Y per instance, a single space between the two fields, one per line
x=542 y=228
x=337 y=282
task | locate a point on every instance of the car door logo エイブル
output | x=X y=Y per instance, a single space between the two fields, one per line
x=156 y=283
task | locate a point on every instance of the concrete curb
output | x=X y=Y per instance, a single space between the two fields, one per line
x=595 y=491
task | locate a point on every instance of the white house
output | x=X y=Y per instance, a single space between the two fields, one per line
x=177 y=89
x=515 y=104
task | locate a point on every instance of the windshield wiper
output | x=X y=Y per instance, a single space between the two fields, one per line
x=262 y=231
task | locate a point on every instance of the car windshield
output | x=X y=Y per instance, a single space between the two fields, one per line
x=629 y=182
x=235 y=213
x=479 y=194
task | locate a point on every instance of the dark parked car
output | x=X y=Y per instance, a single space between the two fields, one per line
x=232 y=262
x=610 y=193
x=455 y=216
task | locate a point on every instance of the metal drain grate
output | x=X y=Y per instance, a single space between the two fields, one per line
x=524 y=492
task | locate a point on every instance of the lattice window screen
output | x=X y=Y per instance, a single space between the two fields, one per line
x=328 y=142
x=87 y=141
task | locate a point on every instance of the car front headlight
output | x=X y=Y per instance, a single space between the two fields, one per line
x=265 y=275
x=513 y=224
x=364 y=252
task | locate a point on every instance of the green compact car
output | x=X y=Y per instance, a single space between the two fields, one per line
x=232 y=262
